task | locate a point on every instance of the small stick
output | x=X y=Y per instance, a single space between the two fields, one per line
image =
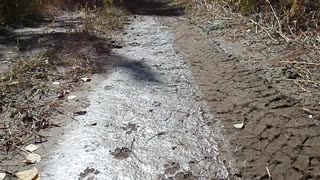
x=25 y=151
x=269 y=174
x=264 y=29
x=193 y=40
x=300 y=86
x=279 y=23
x=159 y=134
x=131 y=147
x=66 y=115
x=301 y=80
x=131 y=150
x=297 y=62
x=35 y=133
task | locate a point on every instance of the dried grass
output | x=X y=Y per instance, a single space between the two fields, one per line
x=299 y=50
x=104 y=20
x=28 y=96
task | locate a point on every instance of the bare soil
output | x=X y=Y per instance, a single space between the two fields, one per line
x=280 y=137
x=279 y=140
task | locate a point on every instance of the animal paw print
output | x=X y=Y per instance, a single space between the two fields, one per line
x=173 y=172
x=88 y=174
x=171 y=168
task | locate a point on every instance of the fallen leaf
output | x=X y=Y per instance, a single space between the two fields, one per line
x=31 y=174
x=31 y=147
x=93 y=124
x=86 y=79
x=239 y=126
x=80 y=113
x=71 y=97
x=32 y=158
x=2 y=176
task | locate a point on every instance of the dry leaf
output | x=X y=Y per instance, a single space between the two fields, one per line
x=86 y=79
x=32 y=158
x=71 y=97
x=79 y=113
x=239 y=126
x=93 y=124
x=2 y=176
x=31 y=147
x=31 y=174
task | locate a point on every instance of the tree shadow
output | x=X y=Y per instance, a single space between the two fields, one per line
x=51 y=36
x=35 y=35
x=154 y=7
x=140 y=71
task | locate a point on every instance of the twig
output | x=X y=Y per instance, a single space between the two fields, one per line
x=300 y=86
x=133 y=153
x=10 y=173
x=35 y=133
x=268 y=171
x=131 y=146
x=193 y=40
x=302 y=80
x=275 y=15
x=303 y=63
x=264 y=29
x=168 y=117
x=25 y=151
x=159 y=134
x=66 y=115
x=279 y=23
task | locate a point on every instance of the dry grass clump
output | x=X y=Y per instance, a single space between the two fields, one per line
x=24 y=104
x=104 y=19
x=279 y=36
x=34 y=87
x=29 y=95
x=12 y=12
x=293 y=16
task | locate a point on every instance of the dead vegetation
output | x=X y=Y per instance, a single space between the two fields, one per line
x=288 y=42
x=35 y=88
x=103 y=20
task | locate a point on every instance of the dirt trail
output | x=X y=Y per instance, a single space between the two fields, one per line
x=146 y=119
x=277 y=136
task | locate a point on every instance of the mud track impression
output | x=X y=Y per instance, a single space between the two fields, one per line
x=277 y=136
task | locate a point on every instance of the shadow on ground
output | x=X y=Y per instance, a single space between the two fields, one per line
x=36 y=34
x=72 y=48
x=139 y=71
x=154 y=7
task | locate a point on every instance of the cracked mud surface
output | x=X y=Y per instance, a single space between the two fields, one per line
x=148 y=119
x=277 y=135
